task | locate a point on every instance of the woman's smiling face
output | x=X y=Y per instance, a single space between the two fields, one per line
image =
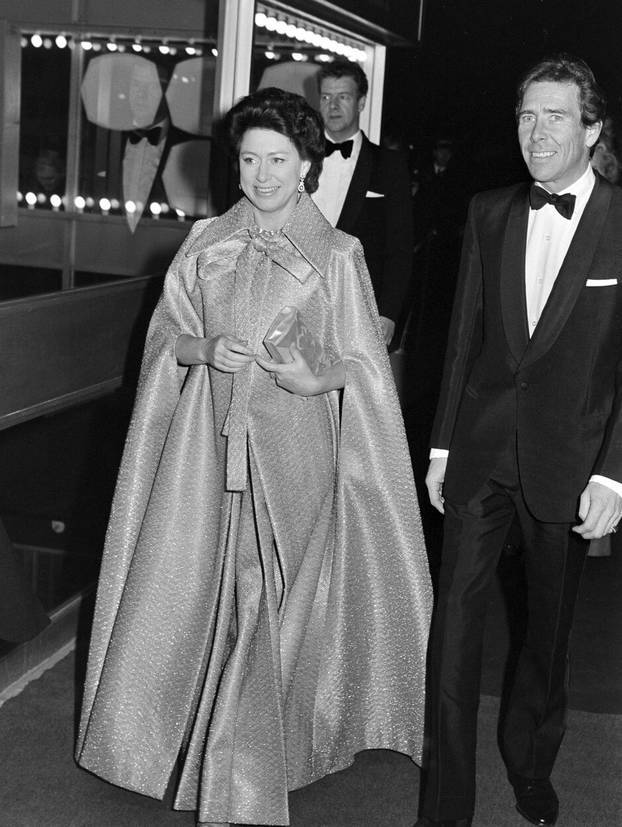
x=270 y=171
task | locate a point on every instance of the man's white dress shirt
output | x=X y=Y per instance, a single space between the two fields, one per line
x=335 y=179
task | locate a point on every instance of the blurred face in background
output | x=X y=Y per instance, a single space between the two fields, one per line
x=270 y=171
x=341 y=107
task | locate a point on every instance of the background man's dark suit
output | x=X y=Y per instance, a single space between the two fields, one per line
x=382 y=224
x=526 y=422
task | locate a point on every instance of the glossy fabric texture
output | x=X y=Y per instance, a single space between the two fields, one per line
x=264 y=598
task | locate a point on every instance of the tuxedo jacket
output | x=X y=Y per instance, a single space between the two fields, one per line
x=378 y=211
x=557 y=394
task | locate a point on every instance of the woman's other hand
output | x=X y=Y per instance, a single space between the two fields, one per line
x=223 y=352
x=297 y=377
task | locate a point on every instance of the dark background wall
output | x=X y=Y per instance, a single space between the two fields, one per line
x=462 y=78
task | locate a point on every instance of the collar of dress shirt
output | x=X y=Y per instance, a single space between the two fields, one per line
x=581 y=188
x=357 y=140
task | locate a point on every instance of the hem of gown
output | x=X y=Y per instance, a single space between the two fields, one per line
x=298 y=784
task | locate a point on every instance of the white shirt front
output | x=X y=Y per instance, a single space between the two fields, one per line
x=549 y=235
x=335 y=180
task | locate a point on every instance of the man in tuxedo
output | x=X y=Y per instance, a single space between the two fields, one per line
x=364 y=190
x=529 y=426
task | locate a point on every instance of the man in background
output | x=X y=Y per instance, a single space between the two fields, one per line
x=364 y=190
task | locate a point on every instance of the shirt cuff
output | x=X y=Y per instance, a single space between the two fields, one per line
x=615 y=486
x=438 y=453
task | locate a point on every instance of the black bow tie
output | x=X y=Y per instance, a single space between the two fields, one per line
x=564 y=204
x=152 y=135
x=345 y=148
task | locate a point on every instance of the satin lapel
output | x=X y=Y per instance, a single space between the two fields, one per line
x=573 y=273
x=512 y=286
x=355 y=197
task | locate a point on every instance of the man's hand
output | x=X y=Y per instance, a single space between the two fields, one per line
x=600 y=508
x=434 y=481
x=388 y=329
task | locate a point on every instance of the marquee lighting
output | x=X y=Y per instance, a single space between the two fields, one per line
x=36 y=40
x=31 y=200
x=105 y=205
x=87 y=45
x=56 y=201
x=61 y=41
x=79 y=203
x=299 y=29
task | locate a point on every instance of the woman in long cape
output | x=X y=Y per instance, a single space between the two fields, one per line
x=264 y=599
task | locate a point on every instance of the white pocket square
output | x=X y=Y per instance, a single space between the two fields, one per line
x=372 y=194
x=600 y=282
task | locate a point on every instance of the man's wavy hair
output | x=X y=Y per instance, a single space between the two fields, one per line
x=283 y=112
x=341 y=68
x=564 y=68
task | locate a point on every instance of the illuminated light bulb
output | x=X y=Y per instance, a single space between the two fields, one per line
x=260 y=19
x=37 y=41
x=190 y=50
x=23 y=42
x=298 y=56
x=362 y=56
x=164 y=49
x=61 y=41
x=290 y=30
x=136 y=46
x=104 y=205
x=322 y=58
x=31 y=200
x=271 y=55
x=20 y=197
x=79 y=203
x=86 y=45
x=146 y=49
x=111 y=46
x=165 y=208
x=47 y=43
x=214 y=52
x=341 y=49
x=316 y=40
x=56 y=201
x=41 y=199
x=281 y=27
x=155 y=209
x=114 y=204
x=130 y=207
x=271 y=24
x=300 y=33
x=181 y=215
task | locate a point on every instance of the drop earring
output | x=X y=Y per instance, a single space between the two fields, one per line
x=301 y=184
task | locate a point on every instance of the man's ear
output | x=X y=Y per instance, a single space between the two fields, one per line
x=592 y=133
x=361 y=102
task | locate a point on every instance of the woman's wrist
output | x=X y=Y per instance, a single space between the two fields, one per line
x=191 y=350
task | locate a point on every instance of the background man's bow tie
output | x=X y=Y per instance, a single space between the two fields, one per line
x=564 y=204
x=345 y=148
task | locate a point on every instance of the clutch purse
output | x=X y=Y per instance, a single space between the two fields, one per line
x=288 y=328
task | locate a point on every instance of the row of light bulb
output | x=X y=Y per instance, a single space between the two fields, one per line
x=62 y=42
x=294 y=32
x=105 y=205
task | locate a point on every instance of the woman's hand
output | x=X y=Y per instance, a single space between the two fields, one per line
x=297 y=377
x=228 y=353
x=223 y=352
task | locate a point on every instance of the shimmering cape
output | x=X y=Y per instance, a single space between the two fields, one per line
x=264 y=598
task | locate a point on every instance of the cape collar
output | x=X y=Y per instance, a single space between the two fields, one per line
x=307 y=230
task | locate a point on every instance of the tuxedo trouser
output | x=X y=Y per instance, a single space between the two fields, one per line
x=533 y=728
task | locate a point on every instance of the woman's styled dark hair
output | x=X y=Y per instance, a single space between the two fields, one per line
x=564 y=68
x=285 y=113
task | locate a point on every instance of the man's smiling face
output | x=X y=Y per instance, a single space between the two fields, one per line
x=554 y=142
